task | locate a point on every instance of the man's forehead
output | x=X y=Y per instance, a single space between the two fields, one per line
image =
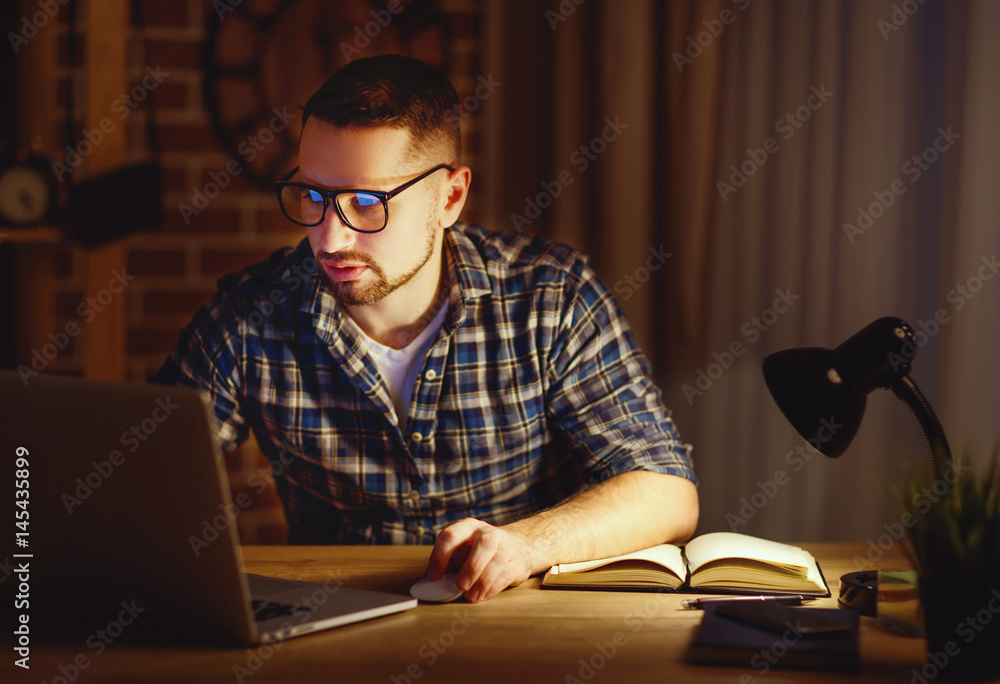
x=341 y=156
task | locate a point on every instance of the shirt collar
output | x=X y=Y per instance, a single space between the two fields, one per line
x=467 y=273
x=466 y=263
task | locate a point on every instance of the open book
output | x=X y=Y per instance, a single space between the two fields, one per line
x=719 y=562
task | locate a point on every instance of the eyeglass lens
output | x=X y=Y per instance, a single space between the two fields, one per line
x=361 y=210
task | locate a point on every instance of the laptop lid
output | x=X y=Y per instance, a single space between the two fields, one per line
x=129 y=502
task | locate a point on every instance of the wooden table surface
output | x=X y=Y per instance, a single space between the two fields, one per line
x=526 y=634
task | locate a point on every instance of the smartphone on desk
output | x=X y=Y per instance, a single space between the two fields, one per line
x=779 y=618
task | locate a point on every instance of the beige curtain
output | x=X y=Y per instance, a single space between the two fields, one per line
x=821 y=106
x=897 y=81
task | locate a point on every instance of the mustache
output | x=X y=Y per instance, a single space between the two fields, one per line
x=357 y=257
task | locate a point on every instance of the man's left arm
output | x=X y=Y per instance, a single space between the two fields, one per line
x=601 y=400
x=619 y=515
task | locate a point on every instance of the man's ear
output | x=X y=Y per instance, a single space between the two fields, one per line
x=454 y=192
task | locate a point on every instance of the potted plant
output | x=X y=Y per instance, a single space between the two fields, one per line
x=954 y=538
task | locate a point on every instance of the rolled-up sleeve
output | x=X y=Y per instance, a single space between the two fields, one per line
x=601 y=397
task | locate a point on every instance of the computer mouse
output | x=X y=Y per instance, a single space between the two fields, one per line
x=437 y=591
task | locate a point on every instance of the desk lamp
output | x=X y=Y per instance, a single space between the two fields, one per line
x=819 y=390
x=823 y=393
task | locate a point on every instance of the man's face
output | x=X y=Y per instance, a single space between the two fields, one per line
x=362 y=268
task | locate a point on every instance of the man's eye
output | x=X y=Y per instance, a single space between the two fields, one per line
x=365 y=200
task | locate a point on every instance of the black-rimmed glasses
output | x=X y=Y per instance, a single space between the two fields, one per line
x=366 y=211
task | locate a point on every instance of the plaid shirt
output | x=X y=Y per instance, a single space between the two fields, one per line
x=533 y=389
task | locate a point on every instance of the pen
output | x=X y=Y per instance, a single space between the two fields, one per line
x=699 y=604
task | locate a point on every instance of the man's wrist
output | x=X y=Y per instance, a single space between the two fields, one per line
x=534 y=546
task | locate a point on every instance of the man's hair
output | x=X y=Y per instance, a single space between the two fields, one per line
x=392 y=90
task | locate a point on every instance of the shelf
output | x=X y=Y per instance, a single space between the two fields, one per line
x=29 y=236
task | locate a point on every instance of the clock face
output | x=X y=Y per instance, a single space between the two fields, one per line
x=263 y=60
x=25 y=195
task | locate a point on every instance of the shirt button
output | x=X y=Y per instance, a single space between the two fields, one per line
x=430 y=375
x=417 y=437
x=414 y=496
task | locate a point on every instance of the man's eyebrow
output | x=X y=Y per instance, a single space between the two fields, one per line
x=374 y=186
x=309 y=181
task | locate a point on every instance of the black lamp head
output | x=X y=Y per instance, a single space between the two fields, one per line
x=823 y=392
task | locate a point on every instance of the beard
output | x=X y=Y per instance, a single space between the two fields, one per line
x=351 y=293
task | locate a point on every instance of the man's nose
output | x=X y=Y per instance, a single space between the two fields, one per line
x=334 y=234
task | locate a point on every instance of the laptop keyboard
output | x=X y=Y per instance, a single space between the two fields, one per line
x=268 y=610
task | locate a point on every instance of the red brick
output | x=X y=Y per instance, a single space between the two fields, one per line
x=170 y=96
x=152 y=340
x=276 y=222
x=175 y=180
x=180 y=302
x=235 y=182
x=58 y=340
x=465 y=24
x=227 y=261
x=146 y=262
x=174 y=54
x=64 y=262
x=62 y=50
x=61 y=142
x=62 y=92
x=426 y=46
x=159 y=13
x=188 y=138
x=66 y=303
x=205 y=221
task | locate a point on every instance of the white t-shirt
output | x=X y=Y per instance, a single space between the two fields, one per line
x=399 y=367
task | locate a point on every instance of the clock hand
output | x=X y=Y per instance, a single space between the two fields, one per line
x=25 y=198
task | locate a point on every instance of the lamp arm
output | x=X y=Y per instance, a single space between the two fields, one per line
x=930 y=426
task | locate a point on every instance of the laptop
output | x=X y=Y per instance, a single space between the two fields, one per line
x=130 y=508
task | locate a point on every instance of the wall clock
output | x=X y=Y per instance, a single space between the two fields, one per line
x=261 y=62
x=28 y=191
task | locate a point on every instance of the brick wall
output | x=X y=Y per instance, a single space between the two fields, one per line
x=177 y=265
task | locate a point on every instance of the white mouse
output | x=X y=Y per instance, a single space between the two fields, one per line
x=437 y=591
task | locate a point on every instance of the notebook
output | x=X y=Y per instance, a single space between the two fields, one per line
x=725 y=640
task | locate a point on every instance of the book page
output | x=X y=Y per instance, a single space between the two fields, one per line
x=722 y=545
x=754 y=575
x=667 y=555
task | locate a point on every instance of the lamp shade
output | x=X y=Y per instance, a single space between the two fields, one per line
x=826 y=413
x=823 y=392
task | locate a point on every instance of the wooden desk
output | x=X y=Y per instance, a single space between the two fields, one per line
x=526 y=634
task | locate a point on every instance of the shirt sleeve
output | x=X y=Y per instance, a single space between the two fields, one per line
x=601 y=397
x=207 y=358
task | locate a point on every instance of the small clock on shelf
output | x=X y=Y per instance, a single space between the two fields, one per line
x=28 y=191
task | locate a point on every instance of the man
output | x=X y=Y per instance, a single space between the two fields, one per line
x=417 y=380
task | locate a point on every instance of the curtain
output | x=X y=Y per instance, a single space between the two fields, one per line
x=809 y=167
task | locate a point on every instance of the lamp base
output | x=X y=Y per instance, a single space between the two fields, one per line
x=859 y=590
